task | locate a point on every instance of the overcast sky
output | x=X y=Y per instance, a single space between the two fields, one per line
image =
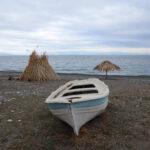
x=75 y=26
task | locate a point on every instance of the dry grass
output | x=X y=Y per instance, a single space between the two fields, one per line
x=38 y=69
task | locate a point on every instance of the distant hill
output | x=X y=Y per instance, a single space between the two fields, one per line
x=4 y=54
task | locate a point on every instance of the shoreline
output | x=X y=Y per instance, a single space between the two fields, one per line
x=14 y=72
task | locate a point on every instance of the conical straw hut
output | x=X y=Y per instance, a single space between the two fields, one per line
x=38 y=69
x=106 y=66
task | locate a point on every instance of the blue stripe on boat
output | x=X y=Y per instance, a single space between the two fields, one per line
x=90 y=103
x=58 y=105
x=83 y=104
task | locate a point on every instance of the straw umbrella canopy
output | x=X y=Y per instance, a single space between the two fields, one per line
x=106 y=66
x=38 y=69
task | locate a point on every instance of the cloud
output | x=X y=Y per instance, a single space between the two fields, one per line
x=68 y=27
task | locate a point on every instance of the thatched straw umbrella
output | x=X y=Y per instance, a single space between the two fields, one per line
x=38 y=69
x=106 y=66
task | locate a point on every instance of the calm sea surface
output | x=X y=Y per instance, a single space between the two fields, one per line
x=130 y=65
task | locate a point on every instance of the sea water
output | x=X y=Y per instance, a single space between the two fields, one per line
x=130 y=64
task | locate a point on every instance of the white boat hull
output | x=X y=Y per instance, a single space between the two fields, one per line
x=78 y=113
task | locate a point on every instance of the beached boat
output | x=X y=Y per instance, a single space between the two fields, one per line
x=79 y=101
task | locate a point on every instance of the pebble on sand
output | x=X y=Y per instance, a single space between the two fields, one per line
x=9 y=120
x=11 y=99
x=12 y=111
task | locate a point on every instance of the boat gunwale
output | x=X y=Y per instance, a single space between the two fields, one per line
x=83 y=97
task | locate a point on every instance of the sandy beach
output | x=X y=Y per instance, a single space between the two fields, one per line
x=27 y=124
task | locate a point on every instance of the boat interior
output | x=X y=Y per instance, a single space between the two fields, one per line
x=76 y=91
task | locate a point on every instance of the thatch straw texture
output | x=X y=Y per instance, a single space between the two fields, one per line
x=38 y=69
x=106 y=66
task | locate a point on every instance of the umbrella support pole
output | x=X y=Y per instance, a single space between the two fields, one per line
x=106 y=75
